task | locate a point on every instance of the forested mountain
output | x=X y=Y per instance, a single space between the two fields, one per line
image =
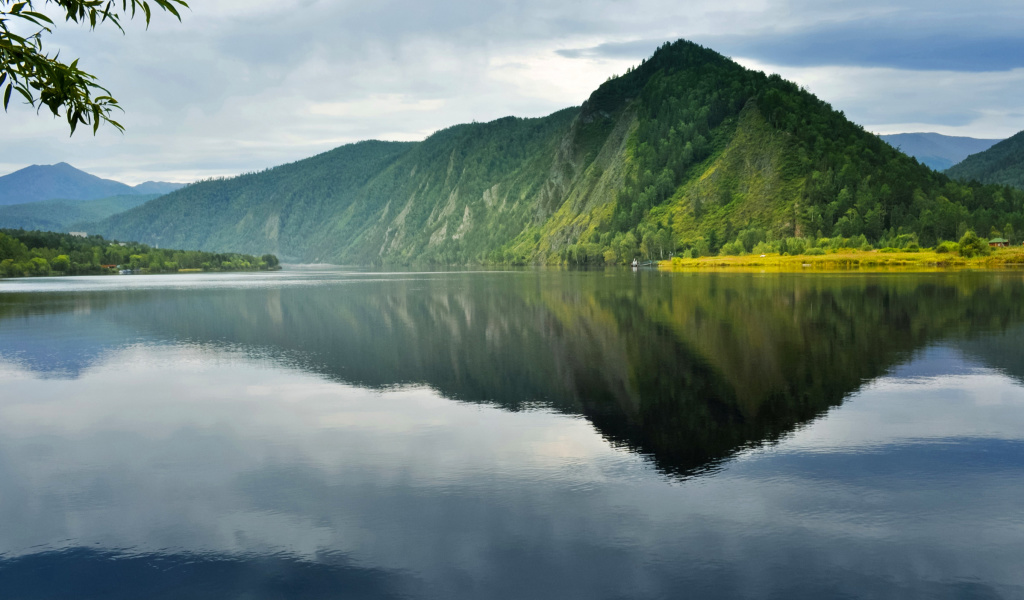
x=67 y=215
x=688 y=152
x=1002 y=164
x=64 y=182
x=938 y=151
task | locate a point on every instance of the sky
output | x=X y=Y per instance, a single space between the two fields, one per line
x=243 y=85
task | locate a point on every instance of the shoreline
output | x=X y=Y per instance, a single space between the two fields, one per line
x=853 y=260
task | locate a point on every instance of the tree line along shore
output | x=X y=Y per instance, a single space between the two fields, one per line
x=854 y=253
x=42 y=253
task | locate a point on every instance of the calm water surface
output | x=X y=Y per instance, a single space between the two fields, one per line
x=330 y=434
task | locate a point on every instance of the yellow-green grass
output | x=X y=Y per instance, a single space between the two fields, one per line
x=845 y=260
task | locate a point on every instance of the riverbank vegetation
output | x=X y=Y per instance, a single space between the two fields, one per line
x=41 y=253
x=903 y=253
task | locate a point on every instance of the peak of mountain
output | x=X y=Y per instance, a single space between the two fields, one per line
x=938 y=151
x=48 y=182
x=62 y=181
x=682 y=154
x=1002 y=164
x=157 y=187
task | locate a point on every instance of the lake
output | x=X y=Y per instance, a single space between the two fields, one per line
x=323 y=433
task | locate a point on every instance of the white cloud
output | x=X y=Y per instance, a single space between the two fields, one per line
x=241 y=86
x=548 y=76
x=886 y=100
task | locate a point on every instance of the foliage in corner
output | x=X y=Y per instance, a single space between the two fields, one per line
x=45 y=80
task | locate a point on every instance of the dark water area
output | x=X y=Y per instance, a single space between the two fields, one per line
x=530 y=434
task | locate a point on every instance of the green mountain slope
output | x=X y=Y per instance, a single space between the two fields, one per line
x=688 y=152
x=368 y=202
x=284 y=208
x=67 y=215
x=1002 y=164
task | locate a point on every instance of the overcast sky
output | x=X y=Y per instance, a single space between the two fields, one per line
x=242 y=85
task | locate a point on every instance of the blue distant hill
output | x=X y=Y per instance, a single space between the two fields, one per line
x=938 y=151
x=64 y=182
x=156 y=187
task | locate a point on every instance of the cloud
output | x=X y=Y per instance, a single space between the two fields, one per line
x=873 y=44
x=241 y=86
x=889 y=100
x=627 y=50
x=914 y=36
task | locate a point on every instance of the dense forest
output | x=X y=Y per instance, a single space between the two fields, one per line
x=687 y=154
x=786 y=173
x=1002 y=164
x=38 y=253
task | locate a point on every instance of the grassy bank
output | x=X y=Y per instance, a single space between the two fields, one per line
x=925 y=260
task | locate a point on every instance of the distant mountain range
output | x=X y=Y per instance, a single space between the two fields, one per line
x=938 y=151
x=156 y=187
x=1002 y=164
x=64 y=182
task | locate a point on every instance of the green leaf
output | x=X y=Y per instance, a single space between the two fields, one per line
x=24 y=92
x=40 y=16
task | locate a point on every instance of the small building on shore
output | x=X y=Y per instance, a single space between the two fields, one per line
x=999 y=242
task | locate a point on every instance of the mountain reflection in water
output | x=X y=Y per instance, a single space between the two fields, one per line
x=294 y=433
x=686 y=369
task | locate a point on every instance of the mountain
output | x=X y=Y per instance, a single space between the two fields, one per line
x=684 y=153
x=156 y=187
x=64 y=182
x=67 y=215
x=938 y=151
x=47 y=182
x=1002 y=164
